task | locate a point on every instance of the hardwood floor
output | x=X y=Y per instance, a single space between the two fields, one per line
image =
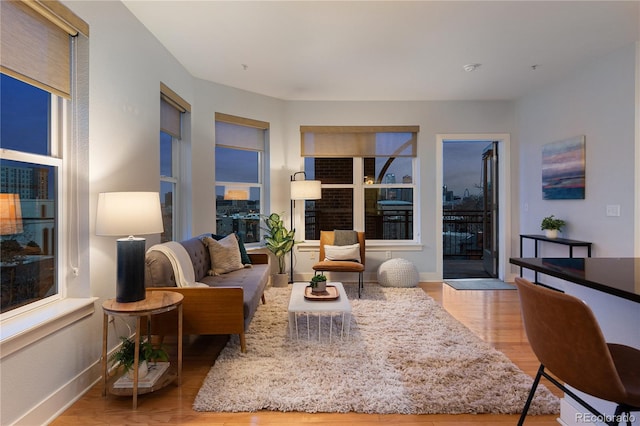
x=493 y=315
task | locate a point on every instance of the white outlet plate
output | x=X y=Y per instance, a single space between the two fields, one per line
x=613 y=210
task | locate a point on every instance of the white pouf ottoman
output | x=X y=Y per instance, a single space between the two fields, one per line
x=398 y=273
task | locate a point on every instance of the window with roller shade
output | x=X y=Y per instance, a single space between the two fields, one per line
x=240 y=168
x=368 y=180
x=173 y=110
x=38 y=42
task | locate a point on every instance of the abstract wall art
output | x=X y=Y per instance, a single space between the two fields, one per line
x=563 y=169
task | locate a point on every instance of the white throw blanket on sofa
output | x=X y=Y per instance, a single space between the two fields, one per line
x=181 y=263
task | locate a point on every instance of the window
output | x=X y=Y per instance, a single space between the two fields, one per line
x=172 y=111
x=240 y=157
x=28 y=191
x=367 y=176
x=36 y=64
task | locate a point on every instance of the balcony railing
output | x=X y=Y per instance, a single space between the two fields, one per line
x=462 y=234
x=385 y=225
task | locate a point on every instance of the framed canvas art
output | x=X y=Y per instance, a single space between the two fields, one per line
x=563 y=169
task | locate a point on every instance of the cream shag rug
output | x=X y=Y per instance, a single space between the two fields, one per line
x=405 y=354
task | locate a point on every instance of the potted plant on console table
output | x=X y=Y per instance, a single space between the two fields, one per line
x=552 y=226
x=280 y=242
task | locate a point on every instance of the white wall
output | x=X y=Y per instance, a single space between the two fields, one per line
x=598 y=101
x=211 y=98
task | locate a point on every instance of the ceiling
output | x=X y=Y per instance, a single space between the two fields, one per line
x=388 y=50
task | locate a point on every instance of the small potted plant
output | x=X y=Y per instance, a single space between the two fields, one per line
x=552 y=226
x=125 y=356
x=318 y=284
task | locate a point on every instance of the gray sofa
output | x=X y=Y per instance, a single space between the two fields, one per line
x=225 y=307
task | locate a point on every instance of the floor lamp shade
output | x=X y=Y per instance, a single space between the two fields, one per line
x=128 y=214
x=306 y=190
x=302 y=190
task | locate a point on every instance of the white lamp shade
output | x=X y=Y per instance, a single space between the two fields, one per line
x=306 y=190
x=128 y=213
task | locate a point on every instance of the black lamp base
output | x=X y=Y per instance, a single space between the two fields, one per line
x=130 y=284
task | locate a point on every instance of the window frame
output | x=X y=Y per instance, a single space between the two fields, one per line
x=173 y=105
x=174 y=180
x=23 y=326
x=359 y=186
x=58 y=131
x=359 y=211
x=263 y=157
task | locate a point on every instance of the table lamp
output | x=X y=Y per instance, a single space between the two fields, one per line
x=128 y=214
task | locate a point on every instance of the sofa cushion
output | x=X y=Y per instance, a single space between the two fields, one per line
x=225 y=254
x=199 y=254
x=253 y=281
x=244 y=256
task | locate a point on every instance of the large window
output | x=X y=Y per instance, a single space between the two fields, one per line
x=36 y=92
x=28 y=195
x=172 y=111
x=240 y=157
x=368 y=180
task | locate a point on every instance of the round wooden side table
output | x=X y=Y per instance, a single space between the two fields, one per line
x=156 y=302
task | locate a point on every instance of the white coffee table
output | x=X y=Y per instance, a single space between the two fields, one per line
x=298 y=304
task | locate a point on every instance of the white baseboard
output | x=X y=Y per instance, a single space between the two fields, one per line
x=50 y=408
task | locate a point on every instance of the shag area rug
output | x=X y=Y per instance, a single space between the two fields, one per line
x=405 y=354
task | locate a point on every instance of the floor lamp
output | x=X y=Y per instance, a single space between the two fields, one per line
x=302 y=190
x=128 y=213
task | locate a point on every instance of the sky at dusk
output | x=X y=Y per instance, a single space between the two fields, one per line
x=23 y=116
x=462 y=166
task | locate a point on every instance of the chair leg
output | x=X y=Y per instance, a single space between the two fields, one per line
x=623 y=412
x=532 y=392
x=360 y=284
x=579 y=400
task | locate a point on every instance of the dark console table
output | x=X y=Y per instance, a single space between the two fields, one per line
x=562 y=241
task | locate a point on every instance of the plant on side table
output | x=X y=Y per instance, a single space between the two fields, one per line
x=149 y=352
x=552 y=226
x=280 y=242
x=318 y=284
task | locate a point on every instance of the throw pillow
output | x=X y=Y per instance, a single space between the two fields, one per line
x=225 y=255
x=244 y=256
x=350 y=252
x=343 y=237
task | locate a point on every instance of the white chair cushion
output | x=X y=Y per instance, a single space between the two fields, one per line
x=349 y=252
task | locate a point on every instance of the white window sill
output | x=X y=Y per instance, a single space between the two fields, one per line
x=29 y=327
